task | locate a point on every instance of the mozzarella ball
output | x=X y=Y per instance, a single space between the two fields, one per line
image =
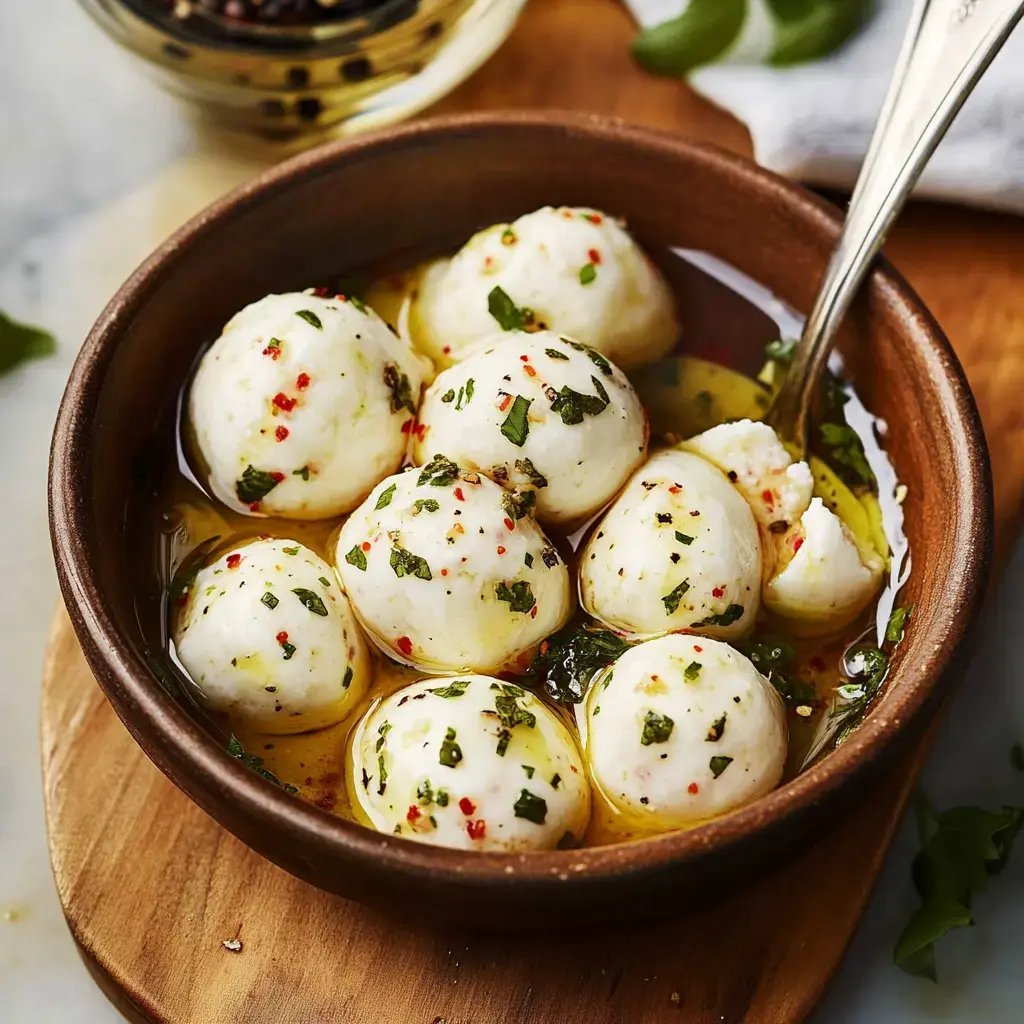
x=449 y=572
x=267 y=636
x=823 y=578
x=682 y=729
x=542 y=411
x=471 y=763
x=302 y=405
x=777 y=488
x=677 y=552
x=573 y=270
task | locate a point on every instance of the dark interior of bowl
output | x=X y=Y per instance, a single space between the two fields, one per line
x=382 y=203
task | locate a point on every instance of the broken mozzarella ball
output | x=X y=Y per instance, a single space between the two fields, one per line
x=449 y=572
x=302 y=405
x=568 y=269
x=267 y=636
x=678 y=551
x=469 y=762
x=682 y=729
x=539 y=411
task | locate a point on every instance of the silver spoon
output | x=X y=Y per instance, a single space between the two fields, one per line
x=947 y=48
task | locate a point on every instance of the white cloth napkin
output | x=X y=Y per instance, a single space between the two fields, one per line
x=813 y=122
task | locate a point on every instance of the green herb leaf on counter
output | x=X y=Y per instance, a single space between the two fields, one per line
x=20 y=343
x=509 y=316
x=254 y=485
x=311 y=601
x=960 y=850
x=569 y=659
x=517 y=595
x=254 y=763
x=517 y=424
x=310 y=317
x=847 y=450
x=701 y=34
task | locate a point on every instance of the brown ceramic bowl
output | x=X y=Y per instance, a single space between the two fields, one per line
x=426 y=186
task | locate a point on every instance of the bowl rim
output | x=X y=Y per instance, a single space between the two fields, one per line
x=157 y=721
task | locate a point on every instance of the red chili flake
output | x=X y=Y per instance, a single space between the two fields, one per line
x=594 y=256
x=509 y=525
x=529 y=371
x=459 y=494
x=281 y=433
x=693 y=788
x=404 y=644
x=489 y=262
x=234 y=561
x=718 y=592
x=467 y=806
x=444 y=572
x=366 y=545
x=321 y=293
x=476 y=829
x=302 y=381
x=767 y=497
x=274 y=351
x=533 y=612
x=697 y=649
x=447 y=350
x=674 y=489
x=695 y=512
x=277 y=477
x=283 y=402
x=503 y=404
x=421 y=430
x=525 y=359
x=501 y=550
x=594 y=218
x=567 y=214
x=798 y=544
x=544 y=647
x=282 y=637
x=412 y=814
x=408 y=426
x=254 y=507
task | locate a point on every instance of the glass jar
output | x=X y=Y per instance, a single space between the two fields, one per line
x=362 y=64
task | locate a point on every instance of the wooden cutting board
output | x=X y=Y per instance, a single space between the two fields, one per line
x=153 y=889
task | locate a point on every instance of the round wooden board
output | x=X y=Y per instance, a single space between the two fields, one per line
x=152 y=887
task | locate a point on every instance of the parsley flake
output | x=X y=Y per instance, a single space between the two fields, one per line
x=347 y=681
x=588 y=274
x=726 y=618
x=385 y=497
x=527 y=468
x=717 y=730
x=518 y=595
x=657 y=728
x=718 y=765
x=311 y=601
x=573 y=406
x=405 y=563
x=254 y=485
x=684 y=538
x=671 y=600
x=553 y=353
x=269 y=600
x=310 y=317
x=532 y=808
x=357 y=557
x=451 y=752
x=847 y=450
x=440 y=471
x=400 y=388
x=509 y=316
x=424 y=505
x=456 y=688
x=692 y=670
x=303 y=472
x=254 y=763
x=518 y=504
x=448 y=396
x=517 y=425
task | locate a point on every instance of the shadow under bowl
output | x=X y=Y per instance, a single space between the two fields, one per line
x=380 y=201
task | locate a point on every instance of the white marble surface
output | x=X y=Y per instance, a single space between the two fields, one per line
x=95 y=168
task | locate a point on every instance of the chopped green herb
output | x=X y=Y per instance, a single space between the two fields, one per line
x=357 y=557
x=324 y=581
x=593 y=355
x=303 y=472
x=781 y=350
x=847 y=450
x=553 y=353
x=457 y=688
x=718 y=765
x=511 y=714
x=692 y=670
x=717 y=729
x=448 y=396
x=569 y=659
x=556 y=780
x=400 y=388
x=774 y=659
x=504 y=737
x=673 y=597
x=425 y=793
x=357 y=302
x=405 y=563
x=424 y=505
x=254 y=763
x=726 y=618
x=683 y=538
x=20 y=342
x=288 y=649
x=311 y=318
x=529 y=769
x=588 y=274
x=518 y=504
x=385 y=497
x=293 y=551
x=442 y=798
x=527 y=468
x=657 y=728
x=458 y=401
x=451 y=752
x=254 y=485
x=274 y=346
x=382 y=775
x=382 y=732
x=549 y=557
x=518 y=595
x=509 y=316
x=517 y=424
x=528 y=559
x=508 y=237
x=572 y=406
x=440 y=471
x=312 y=601
x=532 y=808
x=470 y=388
x=347 y=680
x=960 y=849
x=269 y=600
x=897 y=623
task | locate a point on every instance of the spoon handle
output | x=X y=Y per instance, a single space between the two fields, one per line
x=948 y=46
